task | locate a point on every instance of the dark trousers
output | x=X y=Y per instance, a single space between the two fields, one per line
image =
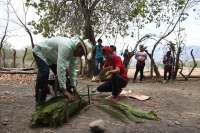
x=97 y=61
x=43 y=76
x=113 y=84
x=141 y=69
x=165 y=73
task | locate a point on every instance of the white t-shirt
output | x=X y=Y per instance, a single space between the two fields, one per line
x=141 y=55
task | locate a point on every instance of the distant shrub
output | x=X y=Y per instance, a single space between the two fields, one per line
x=191 y=64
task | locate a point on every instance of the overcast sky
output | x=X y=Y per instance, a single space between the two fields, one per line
x=191 y=25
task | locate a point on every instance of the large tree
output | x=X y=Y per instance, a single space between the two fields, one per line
x=90 y=18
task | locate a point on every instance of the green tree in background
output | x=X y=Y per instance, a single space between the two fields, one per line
x=92 y=18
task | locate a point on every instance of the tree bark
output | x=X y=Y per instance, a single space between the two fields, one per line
x=154 y=66
x=14 y=59
x=19 y=72
x=32 y=63
x=176 y=63
x=18 y=69
x=195 y=64
x=24 y=57
x=4 y=58
x=89 y=34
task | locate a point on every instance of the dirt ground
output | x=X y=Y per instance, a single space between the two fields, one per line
x=176 y=103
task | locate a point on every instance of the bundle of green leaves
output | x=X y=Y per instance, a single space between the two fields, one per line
x=53 y=112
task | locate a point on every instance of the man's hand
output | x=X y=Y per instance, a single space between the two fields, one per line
x=67 y=94
x=75 y=92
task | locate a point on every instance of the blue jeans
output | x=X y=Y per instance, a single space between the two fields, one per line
x=113 y=85
x=97 y=61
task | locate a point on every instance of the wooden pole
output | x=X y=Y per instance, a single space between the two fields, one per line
x=67 y=111
x=39 y=95
x=79 y=105
x=56 y=85
x=88 y=94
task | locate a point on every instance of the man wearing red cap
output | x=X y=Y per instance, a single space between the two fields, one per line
x=118 y=74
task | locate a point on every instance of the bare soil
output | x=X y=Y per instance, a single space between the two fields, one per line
x=176 y=103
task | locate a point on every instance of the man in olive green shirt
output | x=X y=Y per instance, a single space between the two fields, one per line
x=54 y=53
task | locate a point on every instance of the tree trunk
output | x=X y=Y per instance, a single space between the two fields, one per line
x=176 y=63
x=127 y=57
x=24 y=57
x=151 y=69
x=19 y=72
x=14 y=59
x=154 y=66
x=0 y=58
x=32 y=63
x=4 y=58
x=195 y=64
x=89 y=34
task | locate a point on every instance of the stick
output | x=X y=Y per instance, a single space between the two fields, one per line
x=88 y=94
x=79 y=105
x=56 y=85
x=39 y=95
x=67 y=111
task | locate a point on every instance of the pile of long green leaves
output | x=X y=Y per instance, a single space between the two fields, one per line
x=53 y=112
x=132 y=113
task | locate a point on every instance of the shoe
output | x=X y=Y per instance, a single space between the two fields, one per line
x=140 y=81
x=112 y=97
x=133 y=81
x=168 y=81
x=164 y=82
x=119 y=91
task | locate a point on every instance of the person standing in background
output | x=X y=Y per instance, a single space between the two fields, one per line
x=113 y=49
x=140 y=56
x=168 y=61
x=98 y=58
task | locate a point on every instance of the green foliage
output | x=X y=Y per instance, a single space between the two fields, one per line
x=115 y=114
x=52 y=112
x=70 y=18
x=103 y=72
x=160 y=65
x=8 y=49
x=191 y=64
x=131 y=112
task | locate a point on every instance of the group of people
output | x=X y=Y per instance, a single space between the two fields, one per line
x=141 y=56
x=55 y=52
